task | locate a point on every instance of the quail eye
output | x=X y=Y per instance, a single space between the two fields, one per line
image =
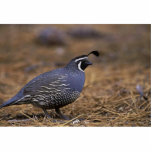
x=82 y=65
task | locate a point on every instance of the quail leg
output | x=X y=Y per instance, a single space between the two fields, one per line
x=61 y=115
x=46 y=114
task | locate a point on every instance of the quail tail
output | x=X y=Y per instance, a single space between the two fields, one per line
x=8 y=103
x=12 y=101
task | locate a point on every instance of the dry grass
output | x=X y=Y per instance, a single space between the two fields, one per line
x=109 y=97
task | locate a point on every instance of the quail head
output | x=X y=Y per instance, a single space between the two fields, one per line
x=56 y=88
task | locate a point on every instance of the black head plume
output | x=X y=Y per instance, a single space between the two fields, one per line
x=96 y=53
x=81 y=62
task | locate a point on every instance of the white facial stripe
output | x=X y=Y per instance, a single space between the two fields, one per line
x=81 y=59
x=79 y=67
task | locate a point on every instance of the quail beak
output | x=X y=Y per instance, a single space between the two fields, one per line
x=88 y=62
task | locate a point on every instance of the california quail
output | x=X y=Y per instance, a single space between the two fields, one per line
x=56 y=88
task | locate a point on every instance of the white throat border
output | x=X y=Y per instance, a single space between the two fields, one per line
x=79 y=66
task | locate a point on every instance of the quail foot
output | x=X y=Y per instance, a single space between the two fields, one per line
x=56 y=88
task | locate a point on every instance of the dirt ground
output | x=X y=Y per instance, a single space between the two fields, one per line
x=110 y=96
